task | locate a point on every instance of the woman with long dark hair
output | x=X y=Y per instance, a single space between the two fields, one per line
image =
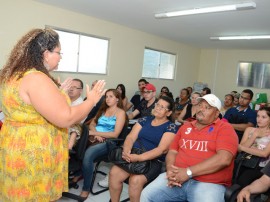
x=108 y=123
x=256 y=141
x=122 y=90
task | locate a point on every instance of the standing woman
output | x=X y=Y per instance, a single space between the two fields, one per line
x=122 y=90
x=256 y=141
x=34 y=138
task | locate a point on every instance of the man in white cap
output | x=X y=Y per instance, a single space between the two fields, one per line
x=200 y=159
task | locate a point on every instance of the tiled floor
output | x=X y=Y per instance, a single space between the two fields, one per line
x=103 y=197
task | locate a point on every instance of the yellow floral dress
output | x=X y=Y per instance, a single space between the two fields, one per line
x=33 y=151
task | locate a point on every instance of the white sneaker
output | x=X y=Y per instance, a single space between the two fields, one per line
x=105 y=182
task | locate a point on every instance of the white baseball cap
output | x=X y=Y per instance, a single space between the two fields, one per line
x=212 y=100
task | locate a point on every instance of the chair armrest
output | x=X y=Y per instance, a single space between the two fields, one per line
x=232 y=192
x=71 y=151
x=116 y=140
x=261 y=197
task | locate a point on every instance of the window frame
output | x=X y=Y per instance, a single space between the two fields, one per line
x=260 y=82
x=161 y=52
x=77 y=68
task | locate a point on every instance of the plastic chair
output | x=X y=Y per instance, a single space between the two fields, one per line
x=232 y=192
x=99 y=160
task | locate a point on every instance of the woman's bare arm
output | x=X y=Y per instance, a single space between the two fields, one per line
x=38 y=90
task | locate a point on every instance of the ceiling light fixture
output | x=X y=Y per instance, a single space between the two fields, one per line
x=233 y=7
x=222 y=38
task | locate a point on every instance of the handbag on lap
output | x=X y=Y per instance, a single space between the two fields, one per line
x=140 y=167
x=248 y=160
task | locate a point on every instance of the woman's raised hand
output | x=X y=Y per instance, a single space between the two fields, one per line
x=96 y=93
x=66 y=84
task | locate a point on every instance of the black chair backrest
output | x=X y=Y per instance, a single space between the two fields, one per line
x=123 y=133
x=81 y=145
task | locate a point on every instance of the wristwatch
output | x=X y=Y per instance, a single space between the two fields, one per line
x=189 y=173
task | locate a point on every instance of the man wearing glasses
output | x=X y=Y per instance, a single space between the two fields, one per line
x=74 y=93
x=242 y=116
x=146 y=106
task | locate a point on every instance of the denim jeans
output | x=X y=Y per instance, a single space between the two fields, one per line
x=91 y=154
x=191 y=191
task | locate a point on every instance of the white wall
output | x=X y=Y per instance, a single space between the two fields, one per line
x=218 y=68
x=126 y=45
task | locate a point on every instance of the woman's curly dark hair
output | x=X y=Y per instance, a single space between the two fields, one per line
x=28 y=54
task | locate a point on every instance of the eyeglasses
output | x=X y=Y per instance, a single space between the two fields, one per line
x=59 y=53
x=74 y=87
x=161 y=107
x=147 y=92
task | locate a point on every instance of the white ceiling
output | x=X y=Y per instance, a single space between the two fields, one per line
x=194 y=29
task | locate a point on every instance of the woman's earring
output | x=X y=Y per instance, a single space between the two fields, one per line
x=46 y=65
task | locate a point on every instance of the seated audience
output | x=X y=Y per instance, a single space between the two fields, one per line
x=144 y=110
x=236 y=99
x=146 y=106
x=200 y=160
x=183 y=101
x=108 y=123
x=190 y=90
x=189 y=112
x=228 y=103
x=164 y=89
x=138 y=97
x=165 y=92
x=168 y=94
x=205 y=91
x=242 y=116
x=126 y=104
x=74 y=93
x=141 y=84
x=256 y=141
x=122 y=90
x=155 y=134
x=233 y=92
x=258 y=186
